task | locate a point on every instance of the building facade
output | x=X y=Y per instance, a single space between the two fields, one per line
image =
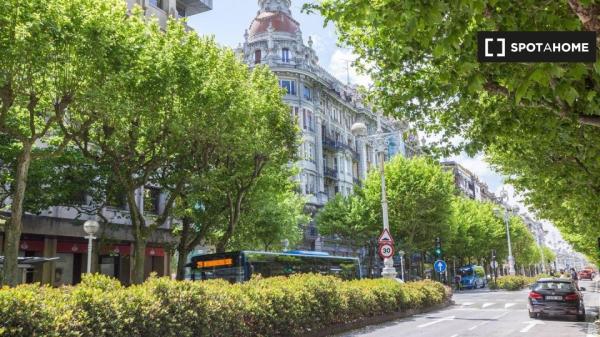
x=58 y=231
x=332 y=160
x=468 y=183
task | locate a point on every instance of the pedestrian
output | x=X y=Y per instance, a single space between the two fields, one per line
x=575 y=278
x=457 y=280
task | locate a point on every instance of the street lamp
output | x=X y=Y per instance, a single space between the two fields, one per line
x=401 y=253
x=90 y=227
x=511 y=260
x=359 y=130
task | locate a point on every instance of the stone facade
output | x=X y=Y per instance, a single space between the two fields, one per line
x=468 y=183
x=332 y=160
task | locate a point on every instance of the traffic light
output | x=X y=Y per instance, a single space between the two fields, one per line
x=438 y=248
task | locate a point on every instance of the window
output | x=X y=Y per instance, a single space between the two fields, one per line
x=157 y=3
x=304 y=124
x=289 y=85
x=257 y=56
x=285 y=55
x=310 y=122
x=307 y=93
x=152 y=200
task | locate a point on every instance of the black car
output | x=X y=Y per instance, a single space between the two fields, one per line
x=554 y=296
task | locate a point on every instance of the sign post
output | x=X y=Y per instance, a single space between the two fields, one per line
x=386 y=244
x=439 y=266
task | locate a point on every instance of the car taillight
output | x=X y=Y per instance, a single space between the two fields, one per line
x=535 y=296
x=572 y=297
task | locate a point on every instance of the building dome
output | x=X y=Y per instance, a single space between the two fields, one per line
x=280 y=22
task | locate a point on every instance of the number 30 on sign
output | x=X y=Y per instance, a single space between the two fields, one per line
x=386 y=250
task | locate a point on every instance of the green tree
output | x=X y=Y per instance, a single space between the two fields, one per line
x=475 y=231
x=272 y=213
x=419 y=196
x=52 y=52
x=538 y=122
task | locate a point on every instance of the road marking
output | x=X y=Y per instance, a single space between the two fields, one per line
x=449 y=318
x=485 y=305
x=486 y=322
x=467 y=303
x=592 y=331
x=508 y=305
x=530 y=325
x=455 y=335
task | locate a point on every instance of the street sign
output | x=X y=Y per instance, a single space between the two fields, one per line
x=494 y=264
x=439 y=266
x=385 y=237
x=386 y=250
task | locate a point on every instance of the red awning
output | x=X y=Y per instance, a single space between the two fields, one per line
x=155 y=251
x=71 y=247
x=32 y=245
x=117 y=249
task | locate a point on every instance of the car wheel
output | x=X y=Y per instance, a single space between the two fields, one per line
x=581 y=316
x=532 y=315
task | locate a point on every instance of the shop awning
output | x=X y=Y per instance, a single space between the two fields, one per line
x=29 y=261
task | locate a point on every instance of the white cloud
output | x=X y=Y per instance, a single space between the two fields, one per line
x=341 y=67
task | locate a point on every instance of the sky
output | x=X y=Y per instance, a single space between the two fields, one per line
x=228 y=20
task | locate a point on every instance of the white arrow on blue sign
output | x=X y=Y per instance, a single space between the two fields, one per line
x=439 y=266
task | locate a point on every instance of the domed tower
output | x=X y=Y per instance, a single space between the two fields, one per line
x=331 y=159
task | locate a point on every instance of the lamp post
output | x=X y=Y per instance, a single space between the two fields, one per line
x=90 y=227
x=401 y=253
x=359 y=130
x=511 y=260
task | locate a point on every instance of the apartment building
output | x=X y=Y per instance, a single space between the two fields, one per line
x=332 y=160
x=468 y=183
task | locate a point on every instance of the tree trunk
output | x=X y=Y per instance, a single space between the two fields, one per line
x=12 y=229
x=139 y=255
x=182 y=253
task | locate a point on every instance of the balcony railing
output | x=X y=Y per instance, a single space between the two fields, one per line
x=330 y=173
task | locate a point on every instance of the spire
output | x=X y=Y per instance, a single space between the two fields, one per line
x=275 y=6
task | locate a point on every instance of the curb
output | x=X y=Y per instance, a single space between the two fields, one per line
x=344 y=327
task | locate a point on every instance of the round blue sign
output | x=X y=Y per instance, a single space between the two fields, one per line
x=439 y=266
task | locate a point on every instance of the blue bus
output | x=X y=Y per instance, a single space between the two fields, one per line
x=241 y=265
x=472 y=276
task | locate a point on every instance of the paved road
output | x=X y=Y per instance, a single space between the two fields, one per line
x=489 y=314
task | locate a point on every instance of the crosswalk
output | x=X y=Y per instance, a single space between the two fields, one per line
x=491 y=305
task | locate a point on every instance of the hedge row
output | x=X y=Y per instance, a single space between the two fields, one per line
x=161 y=307
x=514 y=282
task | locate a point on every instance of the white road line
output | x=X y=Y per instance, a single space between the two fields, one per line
x=592 y=331
x=467 y=303
x=485 y=305
x=449 y=318
x=486 y=322
x=530 y=325
x=455 y=335
x=508 y=305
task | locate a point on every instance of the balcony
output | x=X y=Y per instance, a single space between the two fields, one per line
x=330 y=173
x=193 y=7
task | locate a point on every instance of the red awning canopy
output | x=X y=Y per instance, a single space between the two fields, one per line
x=71 y=247
x=32 y=245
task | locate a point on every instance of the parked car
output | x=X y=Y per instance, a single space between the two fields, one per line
x=555 y=296
x=586 y=274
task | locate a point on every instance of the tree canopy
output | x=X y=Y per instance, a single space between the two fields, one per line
x=539 y=123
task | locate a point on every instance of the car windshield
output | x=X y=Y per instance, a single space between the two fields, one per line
x=554 y=285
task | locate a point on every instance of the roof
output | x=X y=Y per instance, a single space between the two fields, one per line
x=279 y=21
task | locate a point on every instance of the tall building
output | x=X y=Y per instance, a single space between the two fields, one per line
x=332 y=160
x=468 y=183
x=58 y=231
x=162 y=9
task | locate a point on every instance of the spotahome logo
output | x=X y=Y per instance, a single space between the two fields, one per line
x=536 y=46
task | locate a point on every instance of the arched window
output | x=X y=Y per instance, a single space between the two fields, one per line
x=285 y=55
x=257 y=56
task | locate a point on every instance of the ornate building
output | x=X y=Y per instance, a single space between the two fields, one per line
x=332 y=159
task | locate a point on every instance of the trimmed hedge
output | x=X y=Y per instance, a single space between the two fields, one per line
x=515 y=282
x=278 y=306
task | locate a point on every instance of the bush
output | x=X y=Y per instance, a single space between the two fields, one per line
x=514 y=282
x=278 y=306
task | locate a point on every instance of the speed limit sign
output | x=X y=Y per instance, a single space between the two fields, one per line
x=386 y=250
